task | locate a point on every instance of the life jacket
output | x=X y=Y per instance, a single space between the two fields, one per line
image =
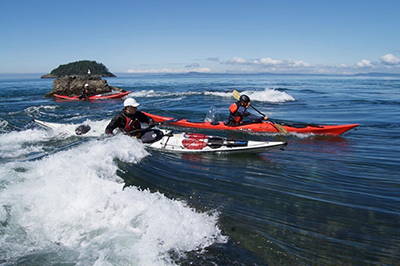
x=131 y=124
x=236 y=112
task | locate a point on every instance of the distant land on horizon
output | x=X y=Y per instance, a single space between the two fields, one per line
x=370 y=74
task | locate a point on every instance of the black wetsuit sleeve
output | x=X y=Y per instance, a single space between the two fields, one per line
x=143 y=118
x=116 y=122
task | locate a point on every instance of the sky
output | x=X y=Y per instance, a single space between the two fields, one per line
x=221 y=36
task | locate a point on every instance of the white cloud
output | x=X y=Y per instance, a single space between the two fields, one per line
x=390 y=59
x=299 y=63
x=364 y=63
x=237 y=60
x=388 y=62
x=267 y=61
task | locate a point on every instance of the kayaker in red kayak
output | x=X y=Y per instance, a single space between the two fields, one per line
x=86 y=93
x=129 y=119
x=238 y=111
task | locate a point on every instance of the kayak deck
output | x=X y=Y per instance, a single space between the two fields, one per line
x=264 y=126
x=200 y=143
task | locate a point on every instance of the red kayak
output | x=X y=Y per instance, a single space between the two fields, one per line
x=264 y=126
x=94 y=97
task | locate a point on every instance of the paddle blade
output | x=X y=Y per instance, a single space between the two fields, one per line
x=82 y=129
x=236 y=94
x=280 y=128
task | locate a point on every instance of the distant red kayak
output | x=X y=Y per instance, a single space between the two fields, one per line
x=264 y=126
x=94 y=97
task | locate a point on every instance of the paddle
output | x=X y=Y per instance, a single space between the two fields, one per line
x=281 y=129
x=142 y=130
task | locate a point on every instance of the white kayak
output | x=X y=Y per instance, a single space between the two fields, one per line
x=166 y=140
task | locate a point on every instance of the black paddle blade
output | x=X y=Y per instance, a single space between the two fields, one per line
x=82 y=129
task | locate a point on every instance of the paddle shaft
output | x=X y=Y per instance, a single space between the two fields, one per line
x=257 y=110
x=261 y=113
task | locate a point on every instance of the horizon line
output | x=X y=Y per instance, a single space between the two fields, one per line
x=223 y=73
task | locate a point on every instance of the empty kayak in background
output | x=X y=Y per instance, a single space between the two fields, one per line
x=264 y=126
x=114 y=95
x=166 y=140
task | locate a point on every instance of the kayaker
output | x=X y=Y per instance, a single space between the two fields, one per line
x=238 y=111
x=129 y=119
x=86 y=93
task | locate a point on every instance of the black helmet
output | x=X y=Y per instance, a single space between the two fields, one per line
x=244 y=98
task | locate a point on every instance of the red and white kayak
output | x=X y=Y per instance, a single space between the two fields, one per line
x=114 y=95
x=201 y=143
x=166 y=140
x=264 y=126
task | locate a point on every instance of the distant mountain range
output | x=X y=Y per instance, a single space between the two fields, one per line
x=376 y=74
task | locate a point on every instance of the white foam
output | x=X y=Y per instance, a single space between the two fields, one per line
x=37 y=110
x=143 y=93
x=74 y=199
x=152 y=93
x=18 y=143
x=267 y=95
x=3 y=125
x=219 y=94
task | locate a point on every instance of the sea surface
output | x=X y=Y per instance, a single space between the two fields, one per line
x=68 y=200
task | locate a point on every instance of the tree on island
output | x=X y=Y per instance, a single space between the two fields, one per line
x=80 y=68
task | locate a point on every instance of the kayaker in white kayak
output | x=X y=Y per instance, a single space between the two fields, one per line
x=238 y=111
x=129 y=120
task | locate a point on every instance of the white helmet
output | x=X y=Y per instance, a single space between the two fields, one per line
x=131 y=102
x=86 y=85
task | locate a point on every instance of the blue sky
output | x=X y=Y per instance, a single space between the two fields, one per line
x=207 y=36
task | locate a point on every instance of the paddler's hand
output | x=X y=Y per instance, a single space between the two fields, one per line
x=152 y=123
x=265 y=118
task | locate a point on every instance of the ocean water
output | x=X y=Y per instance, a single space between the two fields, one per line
x=67 y=200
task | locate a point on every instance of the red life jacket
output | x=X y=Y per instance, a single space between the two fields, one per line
x=233 y=109
x=131 y=124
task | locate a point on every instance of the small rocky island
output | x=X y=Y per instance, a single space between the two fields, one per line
x=70 y=79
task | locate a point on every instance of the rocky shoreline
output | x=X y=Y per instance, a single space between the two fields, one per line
x=74 y=85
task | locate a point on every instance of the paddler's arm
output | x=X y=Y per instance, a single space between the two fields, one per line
x=258 y=119
x=114 y=123
x=145 y=119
